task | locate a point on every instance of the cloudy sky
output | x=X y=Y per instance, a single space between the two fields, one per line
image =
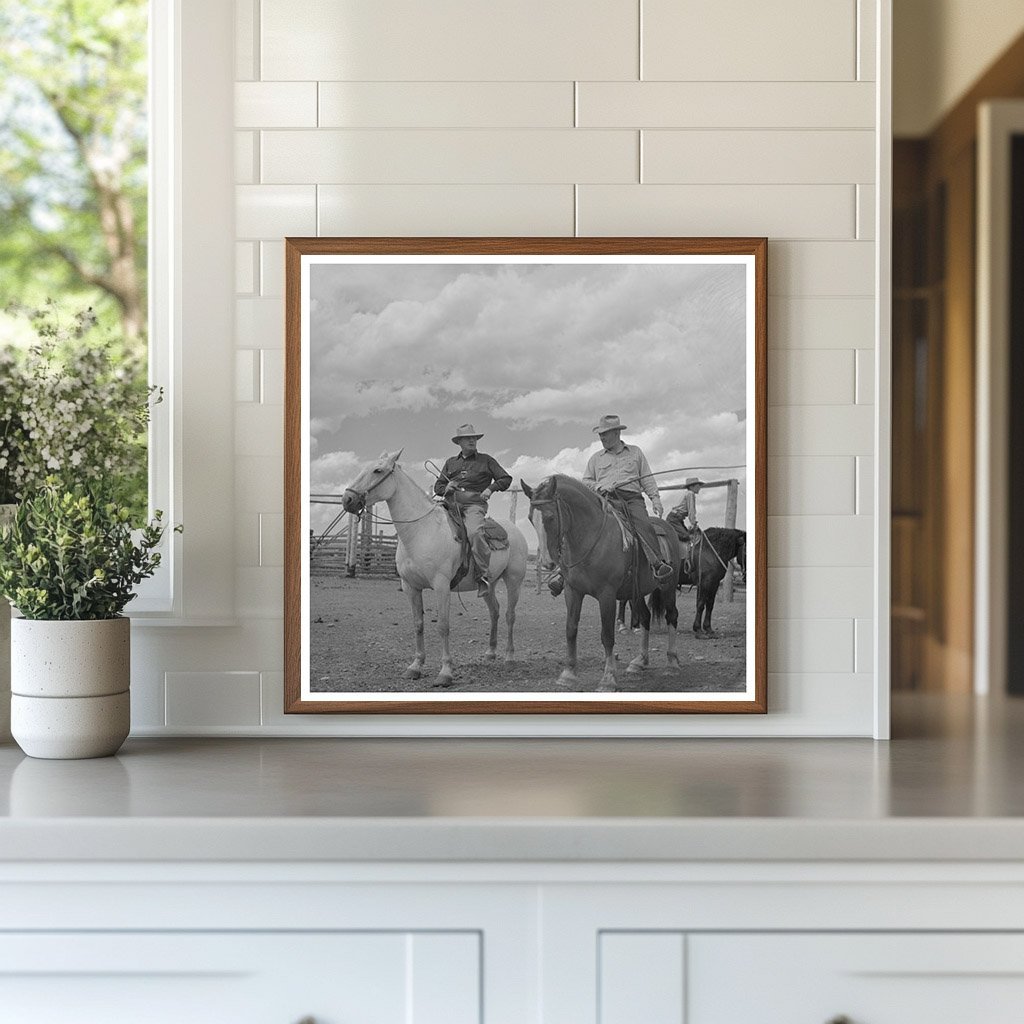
x=532 y=354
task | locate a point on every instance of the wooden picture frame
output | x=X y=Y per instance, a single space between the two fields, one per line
x=389 y=341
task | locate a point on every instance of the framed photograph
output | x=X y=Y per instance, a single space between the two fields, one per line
x=525 y=475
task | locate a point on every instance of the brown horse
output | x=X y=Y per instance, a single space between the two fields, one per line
x=582 y=536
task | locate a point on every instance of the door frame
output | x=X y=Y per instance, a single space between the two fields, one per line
x=998 y=122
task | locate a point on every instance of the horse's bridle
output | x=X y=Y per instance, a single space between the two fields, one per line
x=561 y=533
x=362 y=495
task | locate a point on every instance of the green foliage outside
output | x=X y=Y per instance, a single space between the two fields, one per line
x=69 y=408
x=73 y=155
x=73 y=223
x=72 y=554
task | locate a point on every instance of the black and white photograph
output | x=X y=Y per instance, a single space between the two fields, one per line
x=525 y=480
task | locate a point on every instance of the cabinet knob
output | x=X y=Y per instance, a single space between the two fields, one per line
x=306 y=1020
x=841 y=1019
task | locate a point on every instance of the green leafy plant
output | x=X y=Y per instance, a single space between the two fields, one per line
x=75 y=408
x=72 y=554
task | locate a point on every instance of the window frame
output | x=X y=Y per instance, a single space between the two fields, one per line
x=191 y=298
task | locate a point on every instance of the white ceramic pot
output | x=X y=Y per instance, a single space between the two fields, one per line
x=6 y=515
x=69 y=683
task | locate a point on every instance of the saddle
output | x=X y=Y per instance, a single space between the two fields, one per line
x=493 y=532
x=617 y=507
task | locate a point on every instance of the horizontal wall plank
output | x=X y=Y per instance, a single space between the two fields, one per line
x=865 y=485
x=247 y=375
x=726 y=105
x=259 y=429
x=448 y=40
x=245 y=158
x=814 y=486
x=271 y=538
x=774 y=157
x=259 y=323
x=259 y=484
x=271 y=269
x=275 y=104
x=449 y=157
x=838 y=703
x=811 y=376
x=247 y=539
x=865 y=376
x=446 y=105
x=270 y=211
x=807 y=322
x=212 y=698
x=447 y=209
x=774 y=211
x=822 y=268
x=260 y=591
x=867 y=24
x=735 y=40
x=245 y=40
x=811 y=645
x=864 y=649
x=271 y=376
x=805 y=540
x=245 y=268
x=821 y=592
x=821 y=430
x=866 y=211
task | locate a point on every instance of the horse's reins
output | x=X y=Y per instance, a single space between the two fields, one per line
x=362 y=495
x=704 y=537
x=562 y=533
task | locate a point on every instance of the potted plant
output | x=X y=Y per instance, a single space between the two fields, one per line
x=69 y=563
x=11 y=435
x=71 y=406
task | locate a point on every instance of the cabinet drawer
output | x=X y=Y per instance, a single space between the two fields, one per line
x=242 y=978
x=867 y=978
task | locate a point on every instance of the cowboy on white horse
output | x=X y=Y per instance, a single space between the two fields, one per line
x=621 y=471
x=468 y=480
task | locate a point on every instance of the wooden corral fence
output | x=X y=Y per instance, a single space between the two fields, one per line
x=357 y=549
x=353 y=546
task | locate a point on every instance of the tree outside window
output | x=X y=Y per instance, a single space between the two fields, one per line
x=73 y=173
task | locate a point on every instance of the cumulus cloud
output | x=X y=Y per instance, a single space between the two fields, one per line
x=532 y=354
x=538 y=341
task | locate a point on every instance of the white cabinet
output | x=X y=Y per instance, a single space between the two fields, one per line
x=907 y=978
x=869 y=979
x=511 y=943
x=241 y=978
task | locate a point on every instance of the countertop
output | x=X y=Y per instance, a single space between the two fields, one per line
x=949 y=786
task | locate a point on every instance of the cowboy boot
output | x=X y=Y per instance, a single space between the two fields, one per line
x=662 y=570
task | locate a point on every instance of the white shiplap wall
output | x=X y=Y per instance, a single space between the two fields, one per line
x=555 y=117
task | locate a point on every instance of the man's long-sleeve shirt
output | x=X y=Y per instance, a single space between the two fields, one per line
x=624 y=469
x=472 y=474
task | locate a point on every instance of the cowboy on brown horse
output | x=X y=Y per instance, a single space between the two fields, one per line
x=686 y=510
x=621 y=473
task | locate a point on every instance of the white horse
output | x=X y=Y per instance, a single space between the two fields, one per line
x=428 y=556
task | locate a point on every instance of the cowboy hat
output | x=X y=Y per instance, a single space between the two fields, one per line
x=466 y=430
x=607 y=423
x=691 y=480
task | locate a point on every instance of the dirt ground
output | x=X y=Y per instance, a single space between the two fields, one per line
x=361 y=639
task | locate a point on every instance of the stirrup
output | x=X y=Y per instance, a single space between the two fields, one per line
x=556 y=584
x=663 y=571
